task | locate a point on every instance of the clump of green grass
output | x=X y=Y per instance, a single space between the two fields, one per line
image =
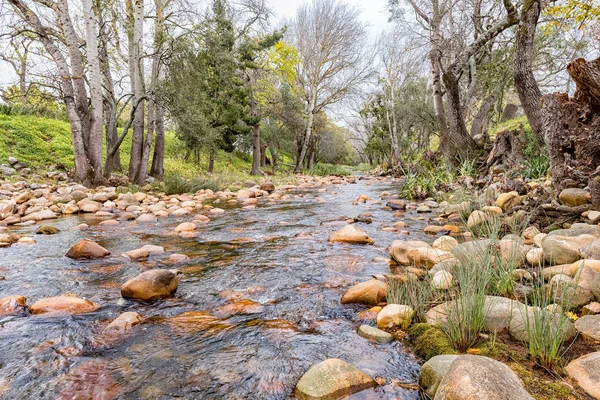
x=546 y=329
x=422 y=179
x=413 y=292
x=173 y=184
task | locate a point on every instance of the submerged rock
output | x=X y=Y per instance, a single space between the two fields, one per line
x=86 y=249
x=151 y=285
x=123 y=322
x=12 y=306
x=47 y=230
x=62 y=305
x=351 y=234
x=332 y=379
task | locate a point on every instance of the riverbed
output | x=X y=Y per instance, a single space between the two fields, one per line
x=258 y=352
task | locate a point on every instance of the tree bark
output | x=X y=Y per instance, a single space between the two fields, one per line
x=481 y=120
x=158 y=158
x=256 y=148
x=310 y=119
x=211 y=162
x=95 y=83
x=525 y=83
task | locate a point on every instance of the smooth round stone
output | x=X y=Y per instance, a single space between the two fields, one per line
x=376 y=334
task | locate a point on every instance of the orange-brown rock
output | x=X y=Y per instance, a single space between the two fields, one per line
x=123 y=322
x=151 y=285
x=371 y=293
x=12 y=305
x=86 y=249
x=62 y=305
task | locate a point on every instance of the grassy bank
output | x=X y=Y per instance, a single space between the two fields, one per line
x=42 y=142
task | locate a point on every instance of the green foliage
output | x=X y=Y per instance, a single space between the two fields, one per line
x=37 y=111
x=322 y=169
x=173 y=184
x=422 y=179
x=414 y=292
x=35 y=140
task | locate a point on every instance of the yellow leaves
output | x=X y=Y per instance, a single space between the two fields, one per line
x=572 y=316
x=582 y=13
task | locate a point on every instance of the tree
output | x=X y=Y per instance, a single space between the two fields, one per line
x=332 y=44
x=86 y=132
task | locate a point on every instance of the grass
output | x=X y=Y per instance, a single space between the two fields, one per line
x=321 y=169
x=414 y=292
x=41 y=142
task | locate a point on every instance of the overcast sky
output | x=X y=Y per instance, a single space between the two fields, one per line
x=374 y=13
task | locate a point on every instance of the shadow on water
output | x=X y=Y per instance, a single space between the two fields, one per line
x=256 y=307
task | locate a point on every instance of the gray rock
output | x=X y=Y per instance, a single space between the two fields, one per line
x=376 y=334
x=586 y=372
x=6 y=170
x=476 y=377
x=525 y=319
x=12 y=160
x=589 y=327
x=433 y=371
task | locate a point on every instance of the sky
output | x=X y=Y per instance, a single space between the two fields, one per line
x=374 y=12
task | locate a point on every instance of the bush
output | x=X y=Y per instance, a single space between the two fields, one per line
x=423 y=178
x=321 y=169
x=173 y=184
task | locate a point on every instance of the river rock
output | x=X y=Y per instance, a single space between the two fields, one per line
x=433 y=371
x=267 y=187
x=427 y=257
x=594 y=217
x=123 y=322
x=445 y=243
x=186 y=227
x=153 y=249
x=332 y=379
x=476 y=377
x=574 y=197
x=400 y=248
x=151 y=285
x=585 y=371
x=526 y=317
x=589 y=327
x=591 y=251
x=442 y=280
x=13 y=305
x=423 y=208
x=40 y=216
x=376 y=334
x=507 y=201
x=47 y=230
x=86 y=249
x=371 y=293
x=351 y=234
x=562 y=246
x=62 y=305
x=137 y=254
x=396 y=205
x=535 y=256
x=395 y=315
x=147 y=218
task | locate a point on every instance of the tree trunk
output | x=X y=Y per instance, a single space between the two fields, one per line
x=211 y=162
x=274 y=158
x=263 y=155
x=571 y=128
x=158 y=158
x=525 y=83
x=481 y=120
x=135 y=35
x=438 y=101
x=256 y=153
x=462 y=145
x=95 y=82
x=113 y=161
x=312 y=151
x=310 y=119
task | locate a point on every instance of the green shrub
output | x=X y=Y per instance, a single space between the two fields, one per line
x=173 y=184
x=321 y=169
x=422 y=179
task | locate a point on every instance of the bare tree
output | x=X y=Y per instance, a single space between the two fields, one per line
x=331 y=43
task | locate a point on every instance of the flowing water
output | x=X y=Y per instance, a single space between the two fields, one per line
x=260 y=354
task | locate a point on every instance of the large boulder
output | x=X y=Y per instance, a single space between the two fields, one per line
x=395 y=315
x=400 y=248
x=351 y=234
x=562 y=246
x=573 y=197
x=585 y=371
x=591 y=251
x=371 y=293
x=433 y=371
x=332 y=379
x=589 y=327
x=427 y=257
x=62 y=305
x=86 y=249
x=476 y=377
x=151 y=285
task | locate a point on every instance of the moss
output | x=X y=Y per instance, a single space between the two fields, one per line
x=433 y=342
x=542 y=389
x=418 y=329
x=493 y=349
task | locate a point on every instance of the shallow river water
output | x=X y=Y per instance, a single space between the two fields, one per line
x=249 y=356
